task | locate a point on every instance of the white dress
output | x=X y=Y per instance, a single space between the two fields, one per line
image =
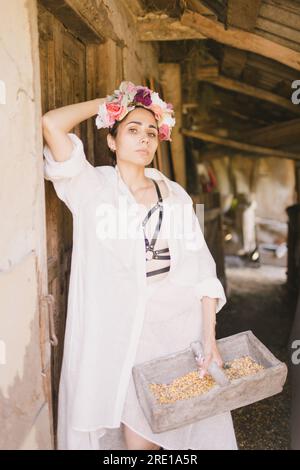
x=167 y=329
x=116 y=319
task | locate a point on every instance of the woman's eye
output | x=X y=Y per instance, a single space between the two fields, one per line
x=151 y=134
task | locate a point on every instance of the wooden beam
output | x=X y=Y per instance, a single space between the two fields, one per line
x=233 y=62
x=221 y=152
x=73 y=21
x=240 y=87
x=275 y=135
x=287 y=13
x=224 y=102
x=160 y=27
x=207 y=63
x=240 y=14
x=207 y=72
x=280 y=31
x=86 y=20
x=170 y=81
x=196 y=5
x=241 y=39
x=216 y=151
x=263 y=151
x=238 y=116
x=267 y=66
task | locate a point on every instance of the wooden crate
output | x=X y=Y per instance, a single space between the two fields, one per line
x=225 y=396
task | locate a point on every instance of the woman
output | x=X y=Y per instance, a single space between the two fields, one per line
x=138 y=290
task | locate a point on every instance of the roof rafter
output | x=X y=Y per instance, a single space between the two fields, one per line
x=241 y=146
x=250 y=90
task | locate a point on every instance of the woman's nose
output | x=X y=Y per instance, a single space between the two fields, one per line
x=145 y=138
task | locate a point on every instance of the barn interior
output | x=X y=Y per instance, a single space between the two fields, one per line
x=231 y=70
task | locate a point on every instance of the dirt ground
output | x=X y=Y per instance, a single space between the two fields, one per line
x=258 y=300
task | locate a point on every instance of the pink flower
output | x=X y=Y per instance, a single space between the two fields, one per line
x=143 y=96
x=126 y=98
x=114 y=110
x=157 y=111
x=125 y=110
x=131 y=88
x=164 y=132
x=109 y=113
x=127 y=87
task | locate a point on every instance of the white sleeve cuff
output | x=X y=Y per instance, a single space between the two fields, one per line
x=211 y=287
x=54 y=170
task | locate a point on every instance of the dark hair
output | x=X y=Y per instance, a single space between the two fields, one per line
x=113 y=131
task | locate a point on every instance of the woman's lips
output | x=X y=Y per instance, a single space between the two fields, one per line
x=143 y=150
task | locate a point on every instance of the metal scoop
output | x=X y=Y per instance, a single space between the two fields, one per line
x=214 y=370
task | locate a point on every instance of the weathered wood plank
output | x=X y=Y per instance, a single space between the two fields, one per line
x=239 y=145
x=170 y=79
x=293 y=46
x=275 y=135
x=223 y=102
x=233 y=62
x=279 y=15
x=241 y=39
x=280 y=71
x=240 y=87
x=280 y=30
x=291 y=6
x=84 y=19
x=207 y=72
x=196 y=5
x=160 y=27
x=242 y=13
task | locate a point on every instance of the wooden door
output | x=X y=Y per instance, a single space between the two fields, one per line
x=63 y=81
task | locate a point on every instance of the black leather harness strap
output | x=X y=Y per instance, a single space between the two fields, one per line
x=150 y=252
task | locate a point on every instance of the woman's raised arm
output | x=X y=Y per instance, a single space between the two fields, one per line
x=56 y=124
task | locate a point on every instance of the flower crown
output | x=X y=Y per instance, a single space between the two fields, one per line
x=129 y=96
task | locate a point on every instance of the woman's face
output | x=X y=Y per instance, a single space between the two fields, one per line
x=137 y=138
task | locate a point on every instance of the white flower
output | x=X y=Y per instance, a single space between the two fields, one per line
x=102 y=120
x=157 y=100
x=167 y=119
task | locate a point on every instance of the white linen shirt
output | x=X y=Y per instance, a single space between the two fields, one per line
x=107 y=291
